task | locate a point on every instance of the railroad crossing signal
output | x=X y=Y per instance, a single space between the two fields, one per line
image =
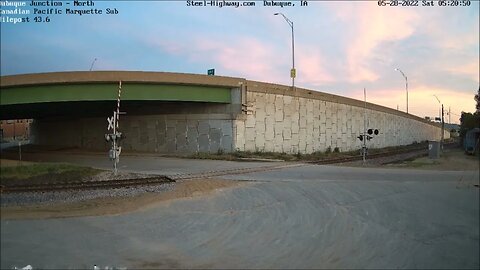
x=115 y=136
x=368 y=137
x=364 y=138
x=370 y=131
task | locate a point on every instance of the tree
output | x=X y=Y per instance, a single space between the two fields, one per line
x=469 y=121
x=477 y=99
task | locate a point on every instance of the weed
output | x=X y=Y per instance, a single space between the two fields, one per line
x=34 y=170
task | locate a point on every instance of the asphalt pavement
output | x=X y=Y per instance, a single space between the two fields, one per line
x=307 y=216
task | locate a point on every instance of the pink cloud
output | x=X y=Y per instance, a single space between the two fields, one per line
x=246 y=56
x=170 y=47
x=435 y=26
x=313 y=68
x=472 y=70
x=371 y=26
x=242 y=57
x=421 y=101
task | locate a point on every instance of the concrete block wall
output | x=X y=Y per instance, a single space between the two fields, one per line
x=176 y=133
x=283 y=121
x=260 y=117
x=176 y=127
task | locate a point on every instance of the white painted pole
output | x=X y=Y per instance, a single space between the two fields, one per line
x=116 y=116
x=118 y=101
x=20 y=151
x=114 y=143
x=364 y=126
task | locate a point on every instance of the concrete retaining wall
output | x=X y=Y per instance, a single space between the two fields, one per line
x=281 y=120
x=259 y=117
x=177 y=133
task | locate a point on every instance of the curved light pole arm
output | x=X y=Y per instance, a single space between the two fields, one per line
x=406 y=84
x=286 y=19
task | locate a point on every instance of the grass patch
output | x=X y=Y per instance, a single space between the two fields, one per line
x=415 y=163
x=45 y=172
x=27 y=171
x=319 y=155
x=239 y=155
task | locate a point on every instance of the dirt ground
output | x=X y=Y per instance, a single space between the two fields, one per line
x=117 y=205
x=11 y=163
x=113 y=205
x=450 y=160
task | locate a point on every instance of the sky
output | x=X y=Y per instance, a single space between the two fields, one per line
x=341 y=47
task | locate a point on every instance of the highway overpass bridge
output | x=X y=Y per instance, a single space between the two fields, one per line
x=188 y=113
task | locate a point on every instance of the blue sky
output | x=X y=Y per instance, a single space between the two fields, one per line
x=340 y=47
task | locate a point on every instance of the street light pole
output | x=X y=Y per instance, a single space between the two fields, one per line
x=406 y=84
x=293 y=71
x=443 y=123
x=91 y=67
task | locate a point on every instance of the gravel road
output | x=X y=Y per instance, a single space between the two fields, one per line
x=298 y=217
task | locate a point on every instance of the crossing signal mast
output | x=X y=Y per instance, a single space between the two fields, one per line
x=116 y=135
x=367 y=134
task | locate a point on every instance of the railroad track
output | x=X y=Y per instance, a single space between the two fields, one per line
x=82 y=185
x=421 y=151
x=369 y=156
x=109 y=184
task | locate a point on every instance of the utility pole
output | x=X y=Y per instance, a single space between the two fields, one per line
x=449 y=116
x=443 y=122
x=443 y=129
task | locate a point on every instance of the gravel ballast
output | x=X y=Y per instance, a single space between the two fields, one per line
x=70 y=196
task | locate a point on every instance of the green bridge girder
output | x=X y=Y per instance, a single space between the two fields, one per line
x=109 y=91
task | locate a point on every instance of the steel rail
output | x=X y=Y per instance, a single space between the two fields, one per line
x=82 y=185
x=160 y=179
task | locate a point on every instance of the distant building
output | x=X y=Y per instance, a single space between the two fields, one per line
x=454 y=129
x=15 y=129
x=452 y=126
